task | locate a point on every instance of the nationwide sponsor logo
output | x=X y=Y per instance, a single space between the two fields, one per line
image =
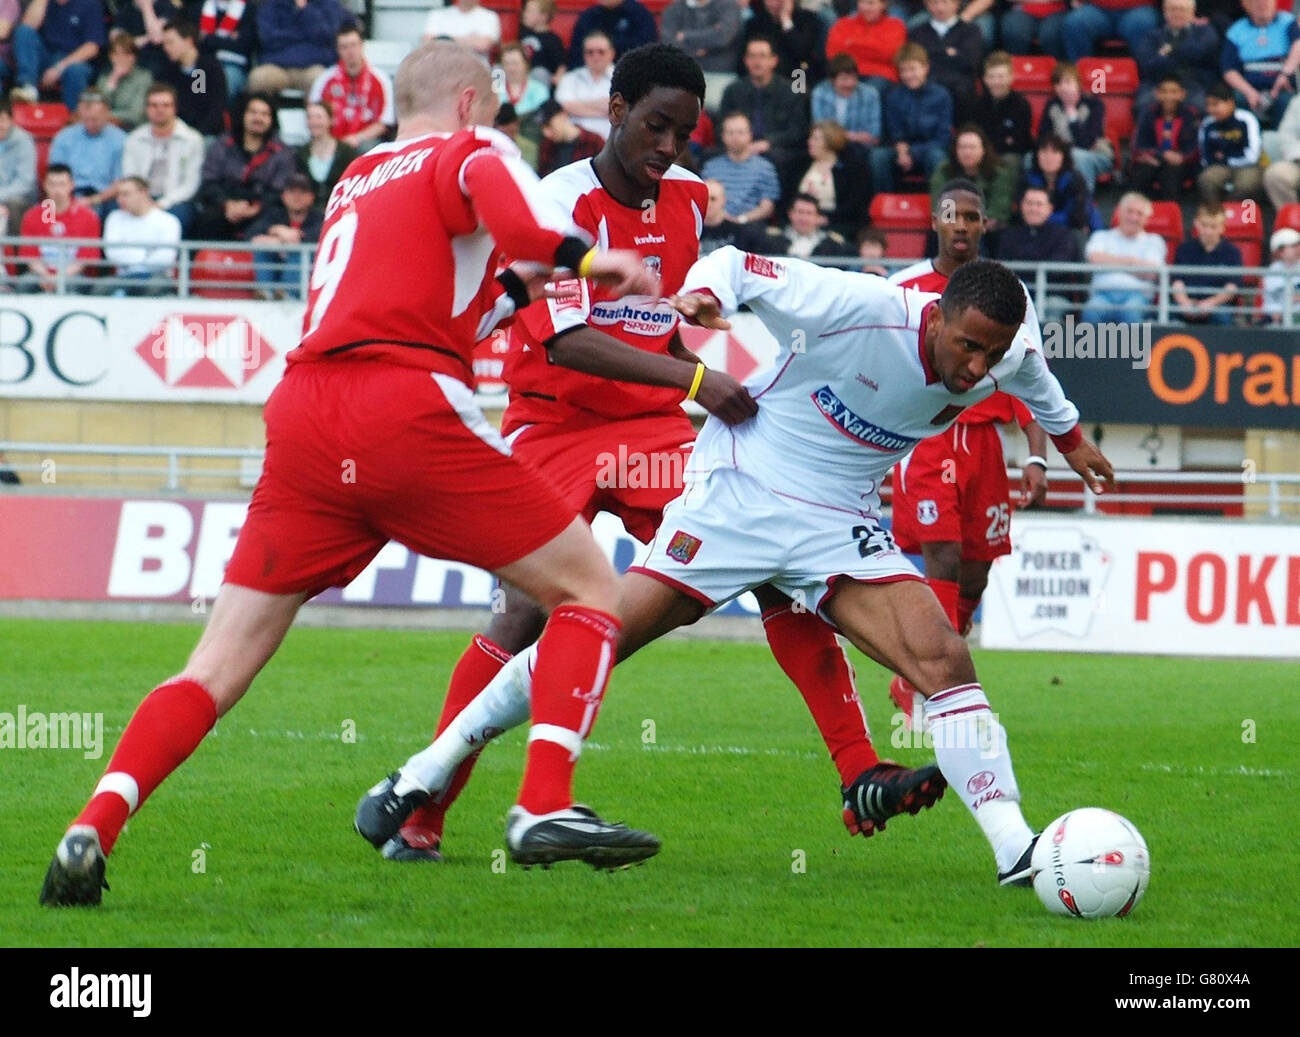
x=205 y=350
x=857 y=427
x=764 y=267
x=927 y=512
x=682 y=547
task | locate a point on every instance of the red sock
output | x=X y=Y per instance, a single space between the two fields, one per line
x=167 y=726
x=965 y=609
x=806 y=649
x=481 y=662
x=574 y=657
x=947 y=591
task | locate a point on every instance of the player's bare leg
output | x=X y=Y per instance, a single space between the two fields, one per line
x=903 y=626
x=943 y=567
x=245 y=630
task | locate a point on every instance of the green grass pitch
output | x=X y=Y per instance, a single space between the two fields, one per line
x=704 y=743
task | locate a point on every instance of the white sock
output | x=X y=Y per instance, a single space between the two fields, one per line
x=503 y=704
x=971 y=749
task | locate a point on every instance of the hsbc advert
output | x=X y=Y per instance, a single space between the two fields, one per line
x=105 y=549
x=172 y=350
x=1163 y=587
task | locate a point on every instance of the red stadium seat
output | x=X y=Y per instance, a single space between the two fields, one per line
x=1288 y=216
x=1109 y=76
x=228 y=274
x=1167 y=221
x=905 y=219
x=1032 y=76
x=42 y=157
x=41 y=120
x=1245 y=229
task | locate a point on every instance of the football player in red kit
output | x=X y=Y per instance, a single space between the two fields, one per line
x=951 y=503
x=373 y=435
x=585 y=412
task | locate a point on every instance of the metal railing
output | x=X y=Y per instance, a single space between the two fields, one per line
x=1280 y=489
x=285 y=270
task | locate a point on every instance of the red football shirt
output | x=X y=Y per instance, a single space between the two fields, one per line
x=999 y=407
x=667 y=235
x=405 y=269
x=41 y=221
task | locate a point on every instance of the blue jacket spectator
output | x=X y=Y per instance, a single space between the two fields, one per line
x=1260 y=57
x=1179 y=47
x=627 y=23
x=842 y=97
x=1053 y=169
x=298 y=43
x=91 y=148
x=67 y=34
x=917 y=122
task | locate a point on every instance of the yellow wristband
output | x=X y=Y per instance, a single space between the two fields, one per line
x=699 y=377
x=584 y=268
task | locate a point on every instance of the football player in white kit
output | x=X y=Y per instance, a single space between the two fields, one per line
x=865 y=371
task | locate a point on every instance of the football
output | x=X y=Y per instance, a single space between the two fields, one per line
x=1091 y=863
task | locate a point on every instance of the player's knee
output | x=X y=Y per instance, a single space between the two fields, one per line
x=593 y=585
x=223 y=688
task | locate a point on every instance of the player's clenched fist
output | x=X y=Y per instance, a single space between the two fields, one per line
x=702 y=309
x=624 y=273
x=725 y=398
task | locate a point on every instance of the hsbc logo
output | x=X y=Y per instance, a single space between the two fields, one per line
x=205 y=351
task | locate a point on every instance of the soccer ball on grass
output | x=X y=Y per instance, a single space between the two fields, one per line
x=1091 y=863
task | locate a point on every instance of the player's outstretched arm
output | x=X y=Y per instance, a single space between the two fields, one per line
x=1092 y=466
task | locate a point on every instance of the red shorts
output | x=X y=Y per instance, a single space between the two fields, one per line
x=953 y=488
x=360 y=453
x=631 y=468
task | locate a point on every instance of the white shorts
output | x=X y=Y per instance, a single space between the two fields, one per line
x=727 y=534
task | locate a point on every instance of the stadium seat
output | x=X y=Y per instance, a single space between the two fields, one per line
x=42 y=157
x=41 y=120
x=905 y=219
x=1245 y=229
x=1167 y=221
x=1032 y=76
x=1288 y=216
x=221 y=274
x=1109 y=76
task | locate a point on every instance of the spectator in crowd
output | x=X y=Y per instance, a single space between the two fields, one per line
x=1036 y=239
x=64 y=218
x=516 y=85
x=143 y=21
x=545 y=50
x=626 y=23
x=748 y=178
x=701 y=142
x=166 y=156
x=842 y=97
x=1165 y=142
x=1026 y=21
x=467 y=23
x=1090 y=23
x=11 y=13
x=17 y=170
x=1183 y=48
x=1122 y=296
x=228 y=31
x=805 y=236
x=1261 y=53
x=873 y=38
x=1230 y=149
x=719 y=228
x=1280 y=296
x=324 y=157
x=55 y=46
x=360 y=95
x=1002 y=113
x=973 y=158
x=709 y=31
x=1201 y=297
x=1081 y=119
x=508 y=122
x=798 y=34
x=199 y=79
x=124 y=83
x=583 y=91
x=778 y=117
x=1282 y=177
x=918 y=123
x=871 y=249
x=563 y=140
x=240 y=171
x=955 y=48
x=1052 y=169
x=140 y=240
x=91 y=148
x=295 y=220
x=297 y=41
x=838 y=177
